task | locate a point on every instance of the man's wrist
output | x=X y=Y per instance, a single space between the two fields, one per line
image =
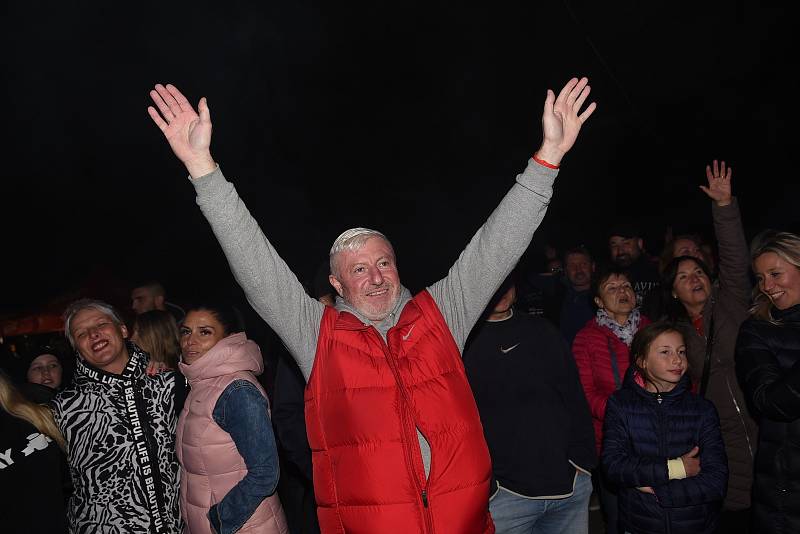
x=201 y=167
x=549 y=153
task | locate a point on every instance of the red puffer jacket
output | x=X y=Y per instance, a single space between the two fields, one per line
x=365 y=400
x=602 y=361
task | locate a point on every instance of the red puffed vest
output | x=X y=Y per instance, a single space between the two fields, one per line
x=365 y=399
x=210 y=463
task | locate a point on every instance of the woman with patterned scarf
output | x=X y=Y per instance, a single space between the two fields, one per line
x=601 y=354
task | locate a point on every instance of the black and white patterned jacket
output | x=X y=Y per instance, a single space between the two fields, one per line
x=120 y=432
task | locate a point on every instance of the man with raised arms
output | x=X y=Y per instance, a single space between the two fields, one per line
x=397 y=444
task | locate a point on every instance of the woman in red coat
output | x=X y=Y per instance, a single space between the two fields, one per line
x=601 y=354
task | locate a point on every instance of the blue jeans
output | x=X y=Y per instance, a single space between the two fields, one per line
x=513 y=514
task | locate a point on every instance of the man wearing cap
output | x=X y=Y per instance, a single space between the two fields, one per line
x=397 y=445
x=626 y=250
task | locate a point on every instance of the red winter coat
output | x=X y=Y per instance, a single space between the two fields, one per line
x=592 y=349
x=364 y=401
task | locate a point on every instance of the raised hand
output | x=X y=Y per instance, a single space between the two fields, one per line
x=691 y=463
x=562 y=119
x=719 y=183
x=188 y=133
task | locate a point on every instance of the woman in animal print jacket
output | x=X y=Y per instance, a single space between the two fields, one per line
x=119 y=424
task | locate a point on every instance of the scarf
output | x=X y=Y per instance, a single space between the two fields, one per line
x=625 y=331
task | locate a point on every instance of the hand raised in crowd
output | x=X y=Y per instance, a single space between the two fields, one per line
x=691 y=462
x=562 y=119
x=188 y=133
x=719 y=183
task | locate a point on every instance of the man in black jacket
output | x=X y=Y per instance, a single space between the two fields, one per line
x=535 y=419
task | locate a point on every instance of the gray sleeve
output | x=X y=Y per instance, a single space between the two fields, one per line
x=493 y=251
x=271 y=288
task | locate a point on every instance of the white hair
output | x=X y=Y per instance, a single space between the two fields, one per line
x=83 y=304
x=352 y=240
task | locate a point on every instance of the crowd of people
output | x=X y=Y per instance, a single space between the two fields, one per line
x=667 y=385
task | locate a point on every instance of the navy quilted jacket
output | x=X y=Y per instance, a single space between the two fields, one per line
x=641 y=432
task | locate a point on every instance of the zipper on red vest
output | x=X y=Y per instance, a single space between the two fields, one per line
x=422 y=488
x=427 y=511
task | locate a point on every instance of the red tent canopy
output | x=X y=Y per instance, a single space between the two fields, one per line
x=40 y=323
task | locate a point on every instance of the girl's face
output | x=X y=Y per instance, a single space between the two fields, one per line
x=200 y=331
x=665 y=362
x=45 y=369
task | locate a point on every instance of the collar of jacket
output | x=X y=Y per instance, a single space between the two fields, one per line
x=231 y=354
x=789 y=315
x=354 y=320
x=134 y=369
x=633 y=379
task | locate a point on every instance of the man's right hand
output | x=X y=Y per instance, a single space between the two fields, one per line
x=691 y=462
x=562 y=119
x=188 y=133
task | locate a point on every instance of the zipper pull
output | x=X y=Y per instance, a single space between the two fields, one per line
x=425 y=498
x=658 y=398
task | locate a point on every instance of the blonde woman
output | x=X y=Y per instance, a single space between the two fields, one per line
x=768 y=365
x=156 y=333
x=33 y=473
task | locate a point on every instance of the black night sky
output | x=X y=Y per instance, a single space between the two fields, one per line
x=410 y=118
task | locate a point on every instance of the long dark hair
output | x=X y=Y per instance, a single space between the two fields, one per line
x=642 y=340
x=673 y=308
x=229 y=317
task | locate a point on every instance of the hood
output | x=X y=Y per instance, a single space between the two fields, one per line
x=134 y=369
x=232 y=354
x=405 y=295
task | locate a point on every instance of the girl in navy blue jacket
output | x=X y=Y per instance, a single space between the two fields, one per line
x=662 y=444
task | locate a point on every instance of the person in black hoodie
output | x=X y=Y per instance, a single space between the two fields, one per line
x=34 y=478
x=662 y=444
x=535 y=419
x=768 y=367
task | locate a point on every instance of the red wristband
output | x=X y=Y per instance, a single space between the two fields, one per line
x=544 y=163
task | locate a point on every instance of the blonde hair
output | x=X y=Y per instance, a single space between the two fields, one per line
x=157 y=334
x=786 y=246
x=83 y=304
x=39 y=416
